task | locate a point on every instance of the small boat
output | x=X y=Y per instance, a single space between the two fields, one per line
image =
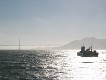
x=87 y=53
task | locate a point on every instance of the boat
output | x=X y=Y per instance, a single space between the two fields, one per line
x=87 y=53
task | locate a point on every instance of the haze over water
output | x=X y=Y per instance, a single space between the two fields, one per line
x=51 y=65
x=50 y=23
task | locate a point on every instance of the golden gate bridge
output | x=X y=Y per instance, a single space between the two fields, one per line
x=19 y=44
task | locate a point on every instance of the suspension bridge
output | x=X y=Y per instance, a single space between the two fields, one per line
x=19 y=45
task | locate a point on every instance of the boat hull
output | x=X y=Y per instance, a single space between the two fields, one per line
x=87 y=54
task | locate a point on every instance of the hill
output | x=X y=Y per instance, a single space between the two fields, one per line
x=89 y=41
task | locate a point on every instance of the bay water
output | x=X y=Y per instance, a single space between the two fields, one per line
x=51 y=65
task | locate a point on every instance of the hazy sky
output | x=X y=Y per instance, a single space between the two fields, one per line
x=51 y=22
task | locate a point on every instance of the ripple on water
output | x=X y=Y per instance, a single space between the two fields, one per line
x=50 y=65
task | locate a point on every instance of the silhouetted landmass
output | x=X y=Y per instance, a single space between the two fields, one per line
x=90 y=41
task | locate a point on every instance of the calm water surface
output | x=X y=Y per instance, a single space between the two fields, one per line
x=51 y=65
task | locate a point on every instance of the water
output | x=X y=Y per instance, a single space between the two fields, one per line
x=51 y=65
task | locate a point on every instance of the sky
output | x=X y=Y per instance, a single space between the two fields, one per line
x=51 y=22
